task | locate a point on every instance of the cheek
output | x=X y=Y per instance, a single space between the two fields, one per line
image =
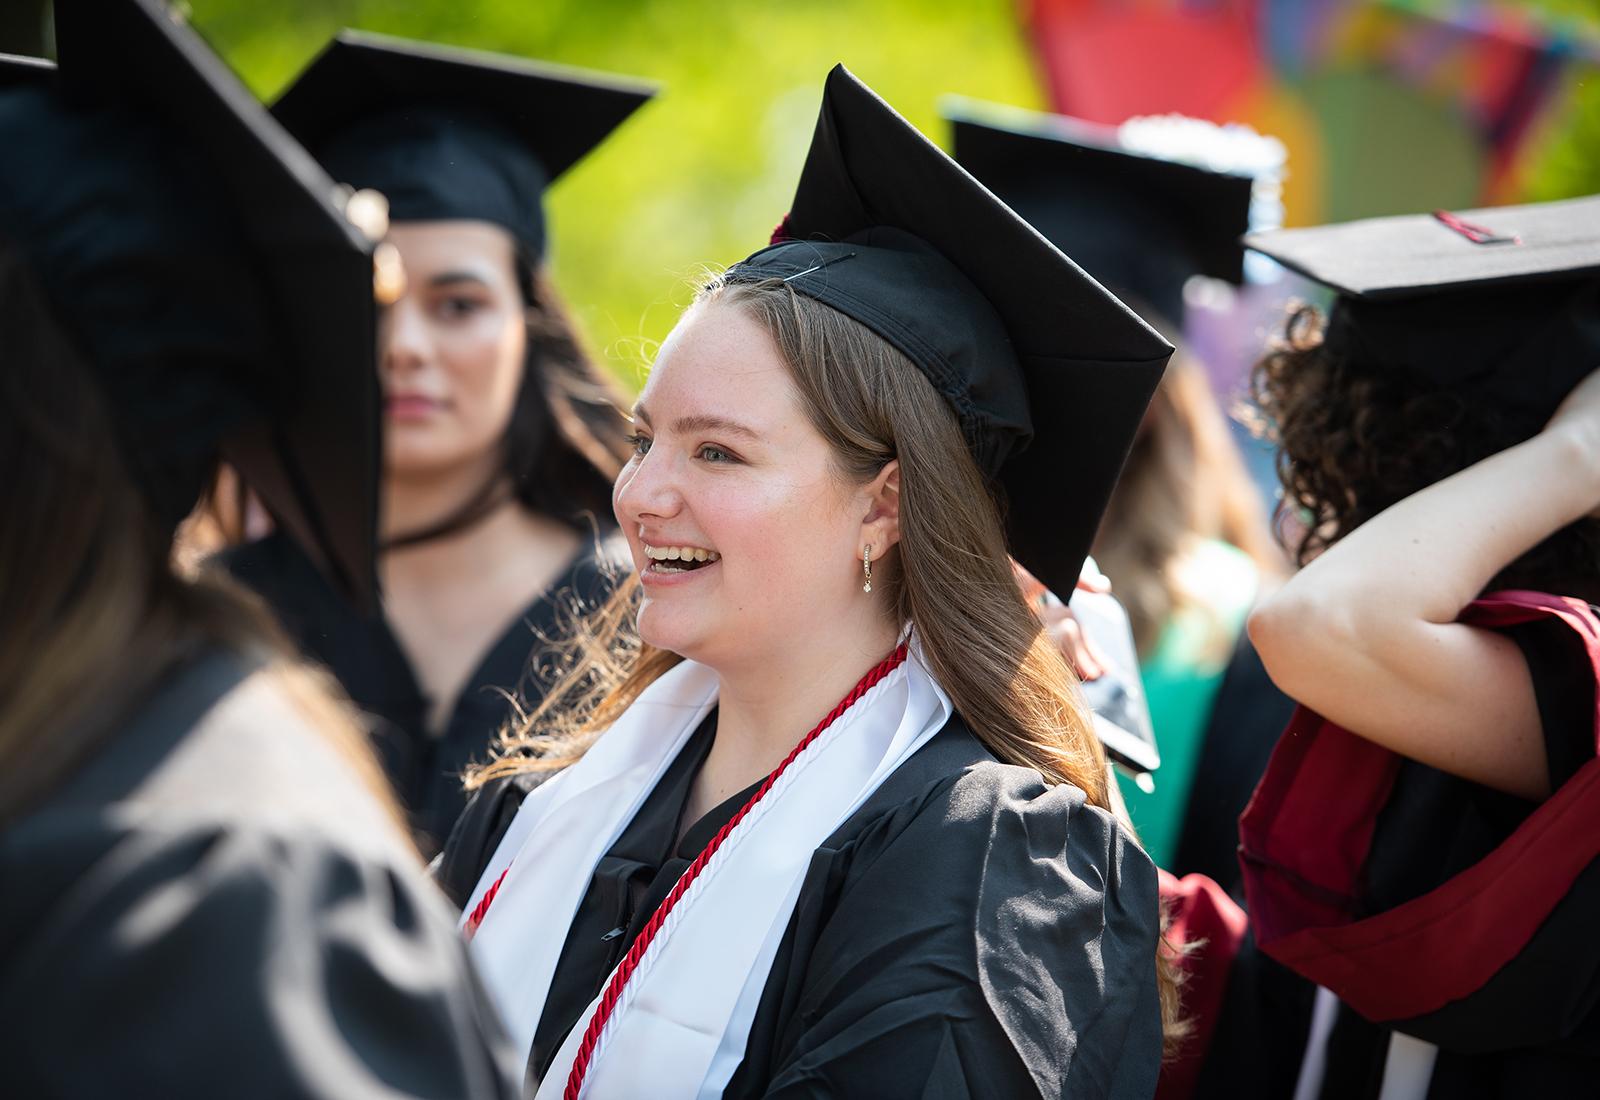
x=486 y=364
x=783 y=541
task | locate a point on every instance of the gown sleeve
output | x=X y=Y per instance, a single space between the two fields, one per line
x=1451 y=912
x=1246 y=718
x=993 y=938
x=478 y=832
x=204 y=961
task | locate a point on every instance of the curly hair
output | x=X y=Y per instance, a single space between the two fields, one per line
x=1354 y=439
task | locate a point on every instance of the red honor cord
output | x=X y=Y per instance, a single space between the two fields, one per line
x=624 y=971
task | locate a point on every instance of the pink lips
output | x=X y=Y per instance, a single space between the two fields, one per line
x=410 y=407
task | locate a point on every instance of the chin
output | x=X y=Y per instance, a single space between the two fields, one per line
x=406 y=458
x=663 y=630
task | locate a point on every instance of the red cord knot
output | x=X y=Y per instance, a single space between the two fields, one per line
x=780 y=232
x=1477 y=234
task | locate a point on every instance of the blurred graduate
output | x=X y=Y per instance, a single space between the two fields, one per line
x=1423 y=845
x=500 y=435
x=208 y=889
x=1144 y=208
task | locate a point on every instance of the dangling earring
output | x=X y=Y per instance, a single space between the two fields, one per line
x=866 y=568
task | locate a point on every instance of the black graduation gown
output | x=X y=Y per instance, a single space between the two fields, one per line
x=1438 y=908
x=214 y=905
x=367 y=659
x=1247 y=716
x=968 y=932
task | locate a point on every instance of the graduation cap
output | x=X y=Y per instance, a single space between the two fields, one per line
x=201 y=260
x=17 y=71
x=1141 y=222
x=1502 y=304
x=452 y=133
x=1047 y=372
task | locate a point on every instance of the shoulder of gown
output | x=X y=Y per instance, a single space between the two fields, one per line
x=225 y=908
x=276 y=568
x=478 y=832
x=1441 y=908
x=987 y=934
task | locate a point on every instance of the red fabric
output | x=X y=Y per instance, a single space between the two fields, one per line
x=630 y=961
x=1477 y=234
x=1307 y=831
x=1106 y=62
x=1203 y=917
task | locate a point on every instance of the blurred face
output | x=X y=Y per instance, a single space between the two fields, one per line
x=451 y=350
x=745 y=539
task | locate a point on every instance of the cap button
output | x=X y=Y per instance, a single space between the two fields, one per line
x=368 y=211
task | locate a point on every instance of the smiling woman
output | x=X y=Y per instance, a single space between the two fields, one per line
x=779 y=831
x=500 y=437
x=727 y=462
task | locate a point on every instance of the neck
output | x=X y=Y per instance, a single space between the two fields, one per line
x=506 y=535
x=416 y=501
x=764 y=708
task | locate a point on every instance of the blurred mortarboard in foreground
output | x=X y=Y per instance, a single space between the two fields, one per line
x=1502 y=304
x=1141 y=207
x=1047 y=372
x=204 y=266
x=452 y=133
x=17 y=71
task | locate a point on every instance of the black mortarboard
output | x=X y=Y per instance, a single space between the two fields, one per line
x=17 y=71
x=1047 y=372
x=1502 y=304
x=196 y=254
x=1141 y=224
x=452 y=133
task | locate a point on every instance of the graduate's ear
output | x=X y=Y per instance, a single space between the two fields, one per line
x=880 y=523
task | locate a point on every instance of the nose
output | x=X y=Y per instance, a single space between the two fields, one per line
x=403 y=338
x=647 y=490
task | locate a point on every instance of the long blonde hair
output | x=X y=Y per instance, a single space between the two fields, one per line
x=1184 y=482
x=951 y=579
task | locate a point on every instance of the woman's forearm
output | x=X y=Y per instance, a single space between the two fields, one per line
x=1429 y=555
x=1367 y=634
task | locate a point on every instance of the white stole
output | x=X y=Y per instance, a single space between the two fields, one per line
x=680 y=1026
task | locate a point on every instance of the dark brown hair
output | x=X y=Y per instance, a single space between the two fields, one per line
x=1354 y=439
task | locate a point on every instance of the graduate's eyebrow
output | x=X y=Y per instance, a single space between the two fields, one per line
x=449 y=278
x=720 y=425
x=701 y=422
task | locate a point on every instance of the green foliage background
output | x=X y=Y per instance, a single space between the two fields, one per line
x=1567 y=161
x=701 y=175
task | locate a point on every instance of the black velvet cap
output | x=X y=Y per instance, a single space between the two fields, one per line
x=1141 y=224
x=1047 y=372
x=1502 y=304
x=452 y=133
x=201 y=261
